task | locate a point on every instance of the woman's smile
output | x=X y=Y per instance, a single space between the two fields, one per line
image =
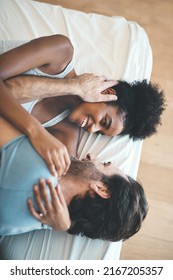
x=84 y=122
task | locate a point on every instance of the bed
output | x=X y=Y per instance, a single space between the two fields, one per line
x=111 y=46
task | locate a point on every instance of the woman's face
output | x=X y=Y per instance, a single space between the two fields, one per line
x=98 y=117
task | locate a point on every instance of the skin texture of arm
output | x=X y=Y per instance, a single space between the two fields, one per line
x=87 y=86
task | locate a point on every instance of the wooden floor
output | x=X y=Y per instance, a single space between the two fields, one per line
x=155 y=240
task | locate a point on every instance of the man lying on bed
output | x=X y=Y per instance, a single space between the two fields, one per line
x=103 y=202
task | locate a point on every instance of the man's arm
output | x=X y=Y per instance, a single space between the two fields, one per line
x=87 y=86
x=50 y=54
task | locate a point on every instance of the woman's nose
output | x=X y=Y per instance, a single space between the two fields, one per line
x=93 y=128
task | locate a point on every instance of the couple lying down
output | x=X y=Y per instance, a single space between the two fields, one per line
x=102 y=203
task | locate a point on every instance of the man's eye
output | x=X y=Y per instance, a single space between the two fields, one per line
x=107 y=163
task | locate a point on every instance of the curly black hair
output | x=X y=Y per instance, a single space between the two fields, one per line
x=142 y=104
x=115 y=218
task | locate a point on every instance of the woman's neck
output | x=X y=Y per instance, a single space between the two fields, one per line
x=68 y=102
x=48 y=108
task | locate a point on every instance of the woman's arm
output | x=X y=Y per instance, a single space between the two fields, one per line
x=49 y=54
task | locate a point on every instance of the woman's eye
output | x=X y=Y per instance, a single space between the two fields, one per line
x=104 y=122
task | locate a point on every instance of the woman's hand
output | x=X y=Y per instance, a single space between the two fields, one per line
x=53 y=151
x=53 y=213
x=92 y=88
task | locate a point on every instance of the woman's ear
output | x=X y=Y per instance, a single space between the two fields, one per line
x=100 y=189
x=109 y=91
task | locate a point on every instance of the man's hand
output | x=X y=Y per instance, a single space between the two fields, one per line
x=92 y=88
x=54 y=213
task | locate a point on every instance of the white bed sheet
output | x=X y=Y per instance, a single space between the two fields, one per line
x=105 y=45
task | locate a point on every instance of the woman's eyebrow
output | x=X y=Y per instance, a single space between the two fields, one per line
x=109 y=121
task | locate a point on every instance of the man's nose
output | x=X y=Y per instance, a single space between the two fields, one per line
x=90 y=156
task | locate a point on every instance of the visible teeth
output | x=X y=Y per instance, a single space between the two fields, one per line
x=83 y=124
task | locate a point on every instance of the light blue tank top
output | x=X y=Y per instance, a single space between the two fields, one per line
x=21 y=168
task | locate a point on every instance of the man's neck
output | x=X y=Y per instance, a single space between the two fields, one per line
x=71 y=187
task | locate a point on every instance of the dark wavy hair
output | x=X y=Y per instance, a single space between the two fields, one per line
x=142 y=104
x=115 y=218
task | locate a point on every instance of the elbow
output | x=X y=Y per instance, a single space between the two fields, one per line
x=64 y=44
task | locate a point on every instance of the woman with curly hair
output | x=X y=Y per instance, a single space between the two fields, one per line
x=140 y=104
x=136 y=112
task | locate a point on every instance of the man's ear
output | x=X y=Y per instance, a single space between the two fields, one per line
x=99 y=188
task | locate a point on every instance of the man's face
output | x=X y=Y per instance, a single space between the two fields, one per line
x=91 y=168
